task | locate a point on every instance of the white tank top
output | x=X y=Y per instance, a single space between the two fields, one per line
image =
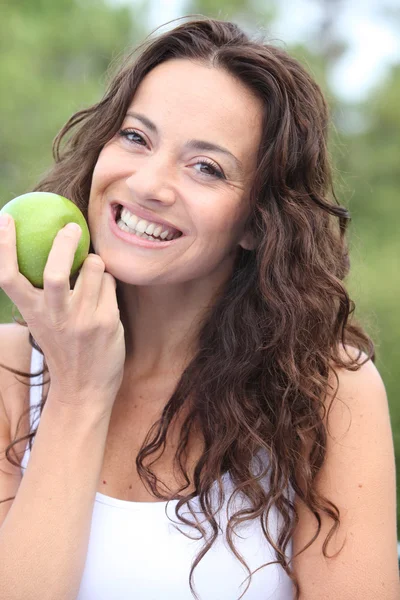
x=135 y=552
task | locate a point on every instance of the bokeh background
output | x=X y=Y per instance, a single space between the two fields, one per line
x=56 y=56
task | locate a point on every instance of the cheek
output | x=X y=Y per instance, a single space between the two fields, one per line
x=108 y=169
x=100 y=181
x=222 y=225
x=101 y=175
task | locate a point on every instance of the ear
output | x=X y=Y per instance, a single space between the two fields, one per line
x=248 y=241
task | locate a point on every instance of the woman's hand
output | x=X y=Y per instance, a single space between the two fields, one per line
x=79 y=330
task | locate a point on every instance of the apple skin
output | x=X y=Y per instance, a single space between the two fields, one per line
x=38 y=217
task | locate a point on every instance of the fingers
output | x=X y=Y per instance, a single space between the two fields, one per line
x=108 y=297
x=88 y=285
x=14 y=284
x=57 y=271
x=94 y=289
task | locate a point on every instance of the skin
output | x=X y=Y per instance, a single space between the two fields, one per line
x=164 y=292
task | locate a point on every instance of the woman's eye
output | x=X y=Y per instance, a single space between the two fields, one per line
x=132 y=136
x=215 y=171
x=128 y=133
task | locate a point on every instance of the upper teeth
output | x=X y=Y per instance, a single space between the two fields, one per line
x=147 y=227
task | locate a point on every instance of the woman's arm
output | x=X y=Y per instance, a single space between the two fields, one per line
x=45 y=535
x=359 y=477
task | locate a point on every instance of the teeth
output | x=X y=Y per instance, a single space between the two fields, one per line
x=129 y=219
x=140 y=225
x=150 y=228
x=143 y=227
x=122 y=225
x=125 y=227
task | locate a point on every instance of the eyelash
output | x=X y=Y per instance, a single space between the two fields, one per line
x=217 y=172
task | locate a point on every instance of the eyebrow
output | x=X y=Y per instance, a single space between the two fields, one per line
x=191 y=144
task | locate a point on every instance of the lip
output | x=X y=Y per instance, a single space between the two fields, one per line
x=144 y=214
x=134 y=239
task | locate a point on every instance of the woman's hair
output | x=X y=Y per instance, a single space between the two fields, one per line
x=260 y=377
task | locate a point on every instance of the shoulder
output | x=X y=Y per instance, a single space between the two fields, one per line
x=15 y=352
x=361 y=389
x=366 y=367
x=358 y=476
x=358 y=417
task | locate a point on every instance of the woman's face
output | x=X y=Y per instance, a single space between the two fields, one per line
x=152 y=165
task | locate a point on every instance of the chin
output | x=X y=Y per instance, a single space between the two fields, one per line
x=128 y=275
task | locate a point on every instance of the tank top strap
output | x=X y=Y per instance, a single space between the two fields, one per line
x=35 y=397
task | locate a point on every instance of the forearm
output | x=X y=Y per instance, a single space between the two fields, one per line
x=44 y=538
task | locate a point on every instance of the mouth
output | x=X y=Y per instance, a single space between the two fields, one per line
x=117 y=210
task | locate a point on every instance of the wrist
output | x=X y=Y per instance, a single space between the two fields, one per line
x=88 y=408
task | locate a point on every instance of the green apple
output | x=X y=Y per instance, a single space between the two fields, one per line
x=38 y=217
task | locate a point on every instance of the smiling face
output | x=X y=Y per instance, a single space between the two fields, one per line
x=153 y=165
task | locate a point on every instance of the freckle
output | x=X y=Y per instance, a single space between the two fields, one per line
x=360 y=485
x=130 y=487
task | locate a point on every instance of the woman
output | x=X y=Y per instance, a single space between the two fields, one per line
x=209 y=407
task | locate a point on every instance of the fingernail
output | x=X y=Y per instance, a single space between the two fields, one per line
x=4 y=220
x=73 y=227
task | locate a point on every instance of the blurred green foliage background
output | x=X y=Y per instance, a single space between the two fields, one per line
x=55 y=56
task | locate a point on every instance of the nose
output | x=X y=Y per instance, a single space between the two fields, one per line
x=153 y=180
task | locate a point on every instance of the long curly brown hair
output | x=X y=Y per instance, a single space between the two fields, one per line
x=267 y=345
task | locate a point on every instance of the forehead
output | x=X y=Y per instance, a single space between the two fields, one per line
x=194 y=100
